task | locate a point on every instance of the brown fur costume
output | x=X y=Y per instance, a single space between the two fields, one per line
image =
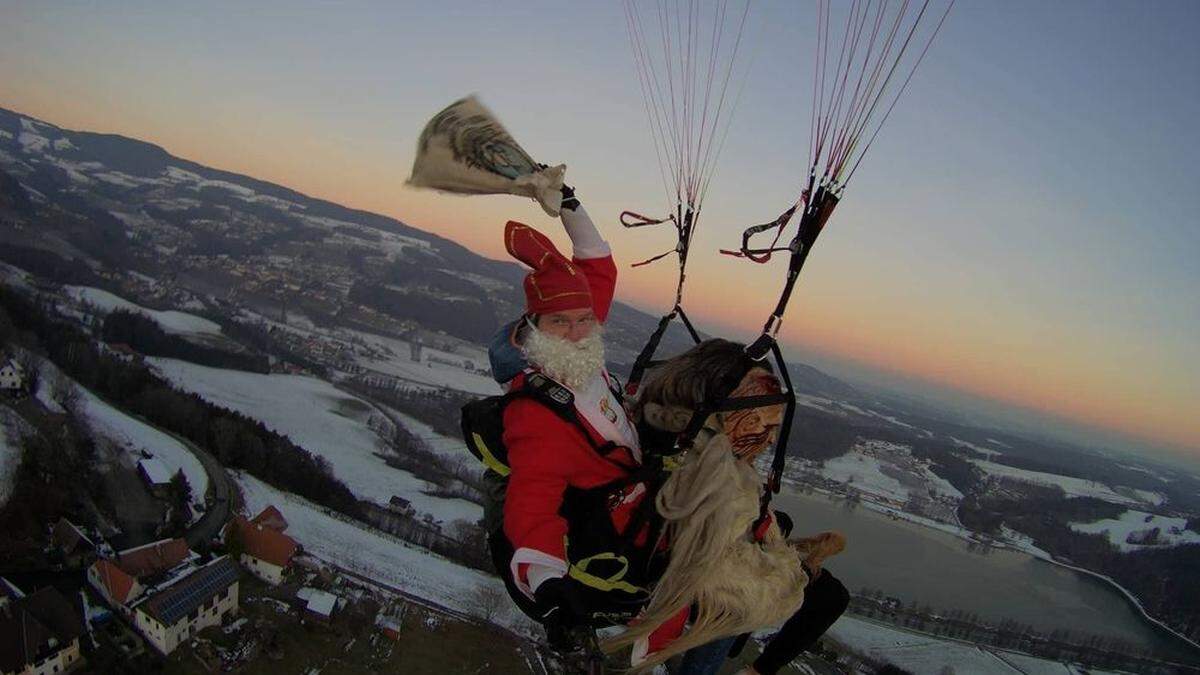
x=737 y=584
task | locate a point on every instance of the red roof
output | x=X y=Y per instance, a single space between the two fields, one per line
x=265 y=543
x=116 y=582
x=151 y=559
x=272 y=518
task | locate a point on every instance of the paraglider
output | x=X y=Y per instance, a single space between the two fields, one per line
x=689 y=104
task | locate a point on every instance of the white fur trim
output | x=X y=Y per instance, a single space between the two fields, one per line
x=550 y=567
x=586 y=241
x=536 y=574
x=592 y=400
x=641 y=649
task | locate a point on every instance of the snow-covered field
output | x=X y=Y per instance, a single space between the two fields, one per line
x=1172 y=531
x=427 y=371
x=324 y=421
x=865 y=473
x=918 y=653
x=135 y=437
x=887 y=471
x=386 y=559
x=452 y=449
x=987 y=452
x=180 y=323
x=1074 y=487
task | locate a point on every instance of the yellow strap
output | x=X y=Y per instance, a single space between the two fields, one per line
x=488 y=458
x=578 y=571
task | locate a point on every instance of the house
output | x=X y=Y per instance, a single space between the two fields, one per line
x=113 y=584
x=155 y=473
x=12 y=377
x=8 y=592
x=320 y=605
x=121 y=580
x=172 y=615
x=153 y=558
x=72 y=544
x=272 y=518
x=126 y=353
x=266 y=552
x=39 y=634
x=389 y=626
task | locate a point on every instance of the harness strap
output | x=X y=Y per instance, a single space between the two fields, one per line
x=565 y=409
x=645 y=359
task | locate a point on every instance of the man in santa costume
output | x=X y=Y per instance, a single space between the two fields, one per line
x=561 y=337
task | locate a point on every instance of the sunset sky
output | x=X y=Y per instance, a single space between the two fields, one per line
x=1026 y=229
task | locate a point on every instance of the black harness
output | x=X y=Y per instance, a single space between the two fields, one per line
x=614 y=569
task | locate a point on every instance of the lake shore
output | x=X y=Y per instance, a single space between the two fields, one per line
x=1014 y=543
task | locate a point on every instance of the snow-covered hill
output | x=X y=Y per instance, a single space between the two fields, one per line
x=323 y=420
x=1134 y=530
x=355 y=547
x=179 y=323
x=1075 y=487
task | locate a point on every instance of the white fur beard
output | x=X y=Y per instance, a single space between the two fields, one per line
x=569 y=363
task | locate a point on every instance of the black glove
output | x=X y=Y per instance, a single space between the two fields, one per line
x=569 y=200
x=784 y=521
x=561 y=603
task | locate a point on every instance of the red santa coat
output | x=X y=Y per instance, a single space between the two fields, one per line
x=548 y=454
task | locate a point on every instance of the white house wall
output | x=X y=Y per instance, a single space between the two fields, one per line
x=272 y=574
x=165 y=639
x=62 y=661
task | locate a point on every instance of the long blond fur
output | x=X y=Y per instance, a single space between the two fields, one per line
x=737 y=584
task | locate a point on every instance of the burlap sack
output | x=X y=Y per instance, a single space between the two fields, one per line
x=465 y=150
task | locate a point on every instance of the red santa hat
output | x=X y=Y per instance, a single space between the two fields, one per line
x=555 y=284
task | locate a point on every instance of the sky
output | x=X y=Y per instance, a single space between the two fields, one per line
x=1024 y=232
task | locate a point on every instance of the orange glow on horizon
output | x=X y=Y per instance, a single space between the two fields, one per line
x=954 y=349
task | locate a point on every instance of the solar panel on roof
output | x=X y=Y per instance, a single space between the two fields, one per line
x=184 y=597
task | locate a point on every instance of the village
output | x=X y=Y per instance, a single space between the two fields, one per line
x=197 y=604
x=253 y=596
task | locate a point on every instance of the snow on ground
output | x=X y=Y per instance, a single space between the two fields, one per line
x=1171 y=531
x=170 y=321
x=864 y=472
x=1032 y=665
x=323 y=420
x=31 y=141
x=433 y=374
x=135 y=436
x=920 y=653
x=15 y=276
x=1152 y=498
x=986 y=452
x=939 y=484
x=1023 y=542
x=399 y=363
x=377 y=556
x=1075 y=487
x=448 y=448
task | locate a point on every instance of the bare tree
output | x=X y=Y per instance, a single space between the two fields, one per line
x=31 y=367
x=490 y=599
x=64 y=391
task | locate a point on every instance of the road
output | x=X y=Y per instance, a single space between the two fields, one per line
x=218 y=511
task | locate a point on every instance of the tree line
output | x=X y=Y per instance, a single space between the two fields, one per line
x=143 y=334
x=235 y=440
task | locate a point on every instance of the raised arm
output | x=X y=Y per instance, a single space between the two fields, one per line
x=590 y=252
